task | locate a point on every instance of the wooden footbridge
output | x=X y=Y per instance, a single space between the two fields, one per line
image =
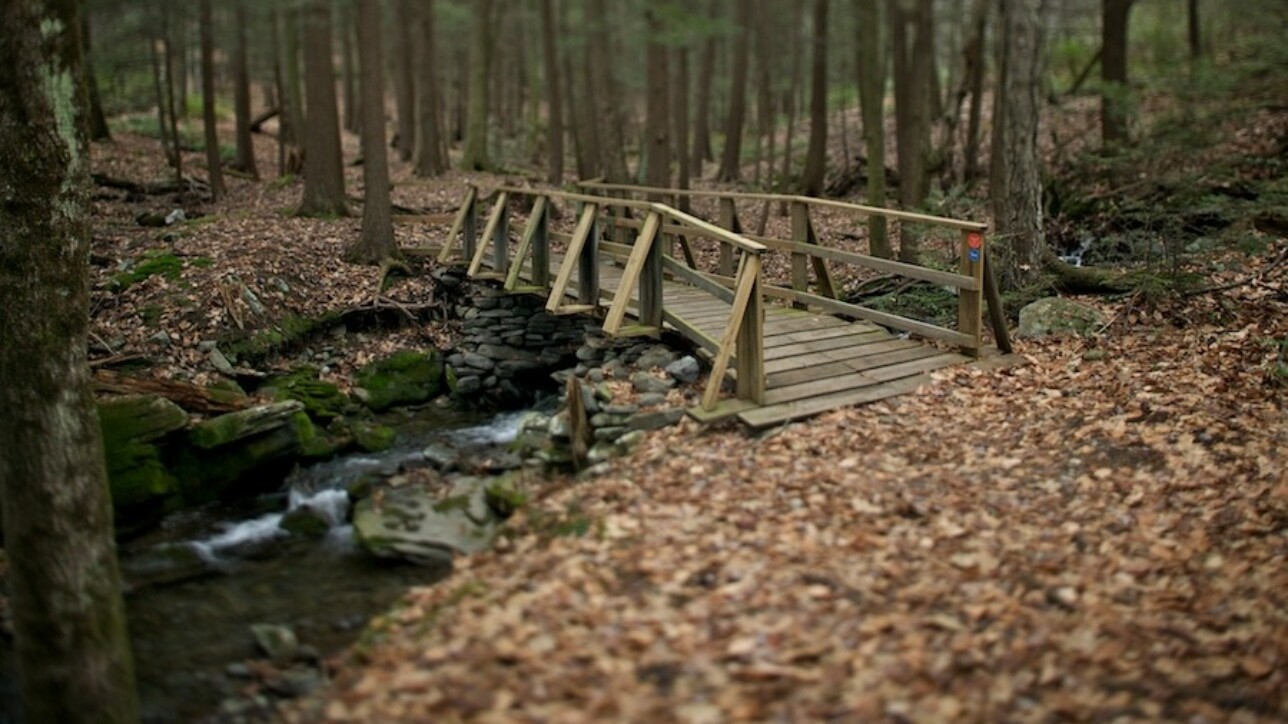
x=791 y=349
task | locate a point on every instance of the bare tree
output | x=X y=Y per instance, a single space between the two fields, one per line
x=65 y=587
x=816 y=156
x=98 y=130
x=213 y=162
x=731 y=155
x=657 y=148
x=476 y=124
x=872 y=81
x=1115 y=15
x=323 y=163
x=608 y=109
x=429 y=157
x=245 y=160
x=702 y=118
x=376 y=244
x=554 y=92
x=1017 y=184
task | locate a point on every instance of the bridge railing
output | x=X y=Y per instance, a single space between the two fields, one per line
x=973 y=281
x=645 y=266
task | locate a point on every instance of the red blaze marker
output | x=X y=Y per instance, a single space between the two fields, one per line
x=975 y=240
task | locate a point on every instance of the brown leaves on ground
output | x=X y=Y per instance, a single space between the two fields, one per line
x=1089 y=536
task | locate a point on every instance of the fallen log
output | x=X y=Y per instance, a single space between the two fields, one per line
x=193 y=398
x=257 y=123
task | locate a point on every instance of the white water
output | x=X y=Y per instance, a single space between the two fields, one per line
x=332 y=504
x=501 y=430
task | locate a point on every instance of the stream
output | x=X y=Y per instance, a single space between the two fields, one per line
x=195 y=656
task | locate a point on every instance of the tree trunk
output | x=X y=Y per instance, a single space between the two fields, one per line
x=554 y=92
x=972 y=55
x=789 y=99
x=323 y=163
x=1113 y=71
x=429 y=159
x=64 y=584
x=245 y=160
x=1195 y=32
x=168 y=55
x=1017 y=211
x=169 y=147
x=612 y=133
x=680 y=123
x=294 y=83
x=872 y=82
x=376 y=244
x=213 y=162
x=404 y=83
x=816 y=156
x=970 y=170
x=731 y=156
x=702 y=122
x=177 y=41
x=657 y=148
x=98 y=130
x=476 y=123
x=764 y=97
x=349 y=70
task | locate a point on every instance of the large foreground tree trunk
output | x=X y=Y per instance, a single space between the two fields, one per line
x=1017 y=209
x=65 y=590
x=376 y=243
x=323 y=162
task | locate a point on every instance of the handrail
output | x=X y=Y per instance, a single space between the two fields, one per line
x=813 y=200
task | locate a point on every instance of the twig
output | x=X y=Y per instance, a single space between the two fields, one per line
x=228 y=304
x=113 y=360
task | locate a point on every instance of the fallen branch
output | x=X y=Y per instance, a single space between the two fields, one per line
x=231 y=307
x=257 y=123
x=114 y=360
x=184 y=394
x=151 y=188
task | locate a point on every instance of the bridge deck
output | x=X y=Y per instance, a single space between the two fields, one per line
x=814 y=362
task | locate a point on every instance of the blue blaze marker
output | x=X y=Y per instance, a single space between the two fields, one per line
x=973 y=254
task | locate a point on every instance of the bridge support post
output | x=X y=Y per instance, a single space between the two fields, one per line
x=800 y=235
x=588 y=268
x=728 y=220
x=970 y=302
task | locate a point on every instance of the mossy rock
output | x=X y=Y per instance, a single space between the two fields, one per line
x=242 y=452
x=304 y=523
x=505 y=495
x=404 y=378
x=132 y=428
x=154 y=263
x=1056 y=316
x=373 y=437
x=322 y=400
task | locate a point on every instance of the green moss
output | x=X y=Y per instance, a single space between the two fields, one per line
x=155 y=262
x=406 y=377
x=288 y=334
x=505 y=496
x=455 y=502
x=322 y=400
x=150 y=315
x=372 y=437
x=281 y=182
x=131 y=428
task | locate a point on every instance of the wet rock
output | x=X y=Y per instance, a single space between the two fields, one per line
x=221 y=363
x=607 y=419
x=442 y=457
x=684 y=370
x=404 y=378
x=294 y=682
x=163 y=566
x=133 y=428
x=322 y=400
x=610 y=433
x=1056 y=316
x=407 y=523
x=276 y=642
x=655 y=420
x=232 y=453
x=372 y=437
x=305 y=522
x=645 y=382
x=656 y=356
x=648 y=399
x=468 y=385
x=477 y=361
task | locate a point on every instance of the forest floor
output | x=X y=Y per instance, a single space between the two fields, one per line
x=1099 y=533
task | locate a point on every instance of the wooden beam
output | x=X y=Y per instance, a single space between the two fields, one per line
x=748 y=276
x=631 y=275
x=464 y=219
x=698 y=279
x=996 y=314
x=536 y=220
x=970 y=303
x=585 y=225
x=492 y=222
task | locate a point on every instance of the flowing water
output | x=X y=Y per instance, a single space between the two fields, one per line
x=186 y=635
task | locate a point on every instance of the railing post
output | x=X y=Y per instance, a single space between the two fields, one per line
x=969 y=302
x=501 y=242
x=588 y=267
x=470 y=228
x=651 y=282
x=728 y=220
x=541 y=247
x=800 y=235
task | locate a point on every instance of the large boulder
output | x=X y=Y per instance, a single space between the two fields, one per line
x=134 y=429
x=1055 y=316
x=410 y=524
x=404 y=378
x=243 y=451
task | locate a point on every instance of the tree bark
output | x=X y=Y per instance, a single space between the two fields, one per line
x=404 y=82
x=294 y=83
x=554 y=93
x=349 y=71
x=245 y=160
x=213 y=162
x=872 y=82
x=323 y=162
x=476 y=157
x=1195 y=31
x=680 y=123
x=657 y=149
x=702 y=122
x=429 y=158
x=65 y=587
x=1020 y=239
x=376 y=244
x=816 y=156
x=1115 y=15
x=970 y=166
x=98 y=130
x=169 y=145
x=608 y=112
x=731 y=155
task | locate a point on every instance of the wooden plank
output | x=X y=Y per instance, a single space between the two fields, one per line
x=691 y=332
x=849 y=367
x=768 y=416
x=800 y=235
x=724 y=410
x=697 y=279
x=638 y=330
x=652 y=290
x=838 y=355
x=996 y=315
x=805 y=335
x=872 y=315
x=498 y=209
x=748 y=276
x=466 y=210
x=826 y=285
x=888 y=266
x=630 y=276
x=588 y=266
x=796 y=349
x=565 y=309
x=584 y=226
x=777 y=323
x=729 y=220
x=535 y=219
x=751 y=343
x=867 y=378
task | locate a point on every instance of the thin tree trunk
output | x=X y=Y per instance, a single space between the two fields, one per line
x=680 y=123
x=789 y=100
x=1115 y=15
x=64 y=584
x=476 y=156
x=872 y=77
x=404 y=83
x=976 y=72
x=349 y=70
x=178 y=44
x=1195 y=30
x=576 y=111
x=429 y=159
x=972 y=52
x=294 y=82
x=168 y=147
x=554 y=91
x=168 y=55
x=245 y=160
x=731 y=156
x=323 y=162
x=213 y=162
x=612 y=132
x=657 y=148
x=376 y=244
x=702 y=123
x=98 y=130
x=764 y=96
x=816 y=156
x=1020 y=238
